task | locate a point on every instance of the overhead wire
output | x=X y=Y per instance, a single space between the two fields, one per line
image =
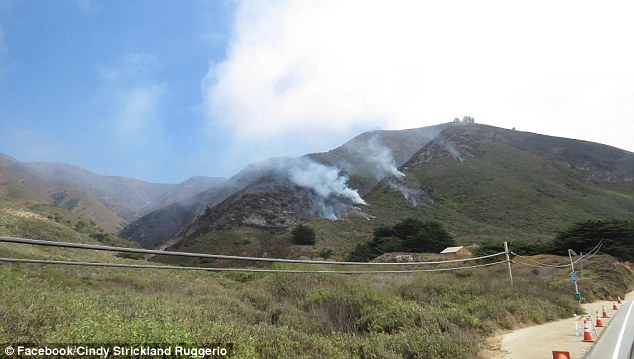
x=223 y=256
x=585 y=257
x=257 y=270
x=531 y=262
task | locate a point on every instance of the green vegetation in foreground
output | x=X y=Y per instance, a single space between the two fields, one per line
x=277 y=315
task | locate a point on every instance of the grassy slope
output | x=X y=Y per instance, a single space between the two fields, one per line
x=340 y=236
x=10 y=188
x=508 y=193
x=64 y=196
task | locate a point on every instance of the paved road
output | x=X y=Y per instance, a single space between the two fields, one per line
x=618 y=339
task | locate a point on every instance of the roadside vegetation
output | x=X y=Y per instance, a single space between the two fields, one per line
x=271 y=315
x=275 y=315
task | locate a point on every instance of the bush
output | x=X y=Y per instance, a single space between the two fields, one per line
x=303 y=235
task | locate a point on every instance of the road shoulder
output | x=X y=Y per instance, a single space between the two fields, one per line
x=541 y=340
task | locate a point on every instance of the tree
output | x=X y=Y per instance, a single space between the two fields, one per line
x=303 y=235
x=430 y=236
x=409 y=235
x=618 y=236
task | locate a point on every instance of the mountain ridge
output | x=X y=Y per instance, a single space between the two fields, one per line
x=163 y=224
x=111 y=201
x=480 y=181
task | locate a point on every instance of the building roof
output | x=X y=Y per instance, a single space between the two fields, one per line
x=452 y=250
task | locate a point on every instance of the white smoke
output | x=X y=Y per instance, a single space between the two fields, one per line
x=381 y=162
x=378 y=158
x=334 y=197
x=453 y=151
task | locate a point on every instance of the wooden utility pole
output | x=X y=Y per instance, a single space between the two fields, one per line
x=508 y=260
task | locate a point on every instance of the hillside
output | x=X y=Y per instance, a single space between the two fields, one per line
x=23 y=185
x=371 y=156
x=158 y=226
x=364 y=161
x=479 y=181
x=488 y=182
x=112 y=202
x=129 y=198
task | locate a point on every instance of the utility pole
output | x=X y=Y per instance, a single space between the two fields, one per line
x=574 y=275
x=508 y=261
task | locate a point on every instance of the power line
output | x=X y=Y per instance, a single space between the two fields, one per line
x=585 y=257
x=259 y=270
x=221 y=256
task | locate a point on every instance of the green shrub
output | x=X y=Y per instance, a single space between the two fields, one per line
x=303 y=235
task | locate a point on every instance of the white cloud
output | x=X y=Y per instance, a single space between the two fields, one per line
x=134 y=97
x=312 y=69
x=137 y=117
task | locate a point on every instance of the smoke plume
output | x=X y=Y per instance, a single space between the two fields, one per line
x=379 y=158
x=333 y=197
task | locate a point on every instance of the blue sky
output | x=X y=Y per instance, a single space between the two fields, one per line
x=165 y=90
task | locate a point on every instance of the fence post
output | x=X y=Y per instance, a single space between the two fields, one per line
x=508 y=260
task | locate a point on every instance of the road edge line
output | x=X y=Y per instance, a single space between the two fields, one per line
x=617 y=347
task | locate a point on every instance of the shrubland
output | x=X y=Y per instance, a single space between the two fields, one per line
x=277 y=315
x=272 y=315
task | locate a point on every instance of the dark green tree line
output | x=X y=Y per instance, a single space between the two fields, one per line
x=618 y=236
x=409 y=235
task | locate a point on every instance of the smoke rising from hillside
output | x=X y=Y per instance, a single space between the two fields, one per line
x=379 y=158
x=333 y=196
x=453 y=151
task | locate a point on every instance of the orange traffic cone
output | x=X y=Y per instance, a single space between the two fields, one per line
x=557 y=354
x=614 y=307
x=587 y=336
x=599 y=321
x=618 y=299
x=605 y=314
